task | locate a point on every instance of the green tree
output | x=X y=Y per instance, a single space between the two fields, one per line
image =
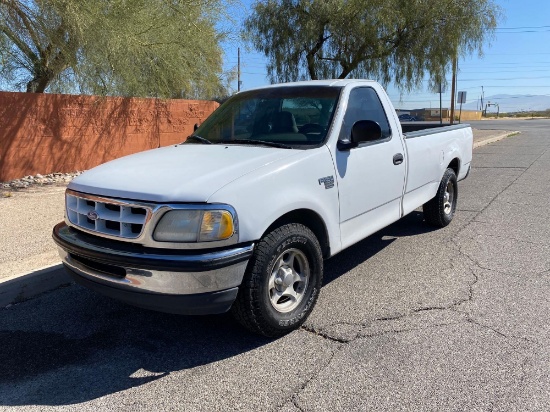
x=163 y=48
x=390 y=40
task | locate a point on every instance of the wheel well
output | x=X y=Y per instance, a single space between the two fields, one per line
x=307 y=218
x=455 y=165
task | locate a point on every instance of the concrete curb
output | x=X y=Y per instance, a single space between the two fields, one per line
x=26 y=286
x=18 y=288
x=496 y=138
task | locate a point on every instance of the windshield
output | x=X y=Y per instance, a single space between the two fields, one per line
x=297 y=116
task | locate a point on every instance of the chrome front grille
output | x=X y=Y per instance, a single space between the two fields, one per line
x=108 y=216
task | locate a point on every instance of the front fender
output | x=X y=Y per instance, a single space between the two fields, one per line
x=264 y=195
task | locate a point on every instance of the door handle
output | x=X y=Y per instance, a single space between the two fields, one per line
x=398 y=159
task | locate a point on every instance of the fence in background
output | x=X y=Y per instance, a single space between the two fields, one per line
x=468 y=114
x=46 y=133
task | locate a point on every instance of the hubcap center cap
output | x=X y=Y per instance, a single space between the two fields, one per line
x=286 y=277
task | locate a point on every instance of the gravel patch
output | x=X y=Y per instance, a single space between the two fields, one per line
x=38 y=180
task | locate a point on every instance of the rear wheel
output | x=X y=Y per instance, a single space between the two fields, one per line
x=441 y=209
x=282 y=281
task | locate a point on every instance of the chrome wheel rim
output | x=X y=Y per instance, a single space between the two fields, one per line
x=288 y=280
x=448 y=198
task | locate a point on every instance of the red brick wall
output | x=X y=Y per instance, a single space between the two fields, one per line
x=46 y=133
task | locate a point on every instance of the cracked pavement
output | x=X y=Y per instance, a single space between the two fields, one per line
x=411 y=318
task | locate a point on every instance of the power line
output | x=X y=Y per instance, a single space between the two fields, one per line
x=522 y=27
x=513 y=54
x=519 y=97
x=504 y=63
x=523 y=31
x=505 y=71
x=500 y=86
x=506 y=78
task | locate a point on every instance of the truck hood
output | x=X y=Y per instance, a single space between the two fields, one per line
x=182 y=173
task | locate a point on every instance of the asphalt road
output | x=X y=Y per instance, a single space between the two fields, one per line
x=409 y=319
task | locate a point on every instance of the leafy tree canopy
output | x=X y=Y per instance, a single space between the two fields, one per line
x=163 y=48
x=390 y=40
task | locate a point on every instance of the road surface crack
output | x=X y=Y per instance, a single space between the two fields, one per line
x=293 y=398
x=529 y=242
x=473 y=321
x=404 y=330
x=325 y=335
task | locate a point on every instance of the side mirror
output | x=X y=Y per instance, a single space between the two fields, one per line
x=365 y=131
x=195 y=127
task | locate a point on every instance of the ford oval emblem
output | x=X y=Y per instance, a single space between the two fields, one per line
x=92 y=215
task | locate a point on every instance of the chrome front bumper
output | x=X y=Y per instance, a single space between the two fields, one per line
x=167 y=280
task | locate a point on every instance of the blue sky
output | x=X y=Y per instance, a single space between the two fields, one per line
x=517 y=62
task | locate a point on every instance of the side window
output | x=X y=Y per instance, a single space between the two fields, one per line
x=364 y=104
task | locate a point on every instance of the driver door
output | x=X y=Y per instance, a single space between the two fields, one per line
x=370 y=180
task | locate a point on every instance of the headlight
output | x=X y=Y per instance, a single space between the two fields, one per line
x=194 y=226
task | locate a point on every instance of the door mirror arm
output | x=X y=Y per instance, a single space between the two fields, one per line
x=346 y=145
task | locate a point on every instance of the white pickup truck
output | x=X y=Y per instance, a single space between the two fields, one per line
x=242 y=214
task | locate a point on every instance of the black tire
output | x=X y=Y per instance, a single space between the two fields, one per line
x=441 y=209
x=273 y=309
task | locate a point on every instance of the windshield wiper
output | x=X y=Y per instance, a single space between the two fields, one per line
x=200 y=139
x=258 y=142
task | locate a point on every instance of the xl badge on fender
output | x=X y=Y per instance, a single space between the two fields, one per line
x=328 y=181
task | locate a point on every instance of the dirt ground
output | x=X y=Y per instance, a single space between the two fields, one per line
x=27 y=217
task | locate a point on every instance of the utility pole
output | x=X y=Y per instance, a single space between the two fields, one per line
x=453 y=89
x=440 y=104
x=482 y=95
x=238 y=69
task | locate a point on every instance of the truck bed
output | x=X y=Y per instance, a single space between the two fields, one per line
x=441 y=144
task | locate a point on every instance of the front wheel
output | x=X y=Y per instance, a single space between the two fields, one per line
x=282 y=281
x=441 y=209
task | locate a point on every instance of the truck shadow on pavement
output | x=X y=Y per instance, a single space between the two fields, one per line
x=72 y=345
x=411 y=225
